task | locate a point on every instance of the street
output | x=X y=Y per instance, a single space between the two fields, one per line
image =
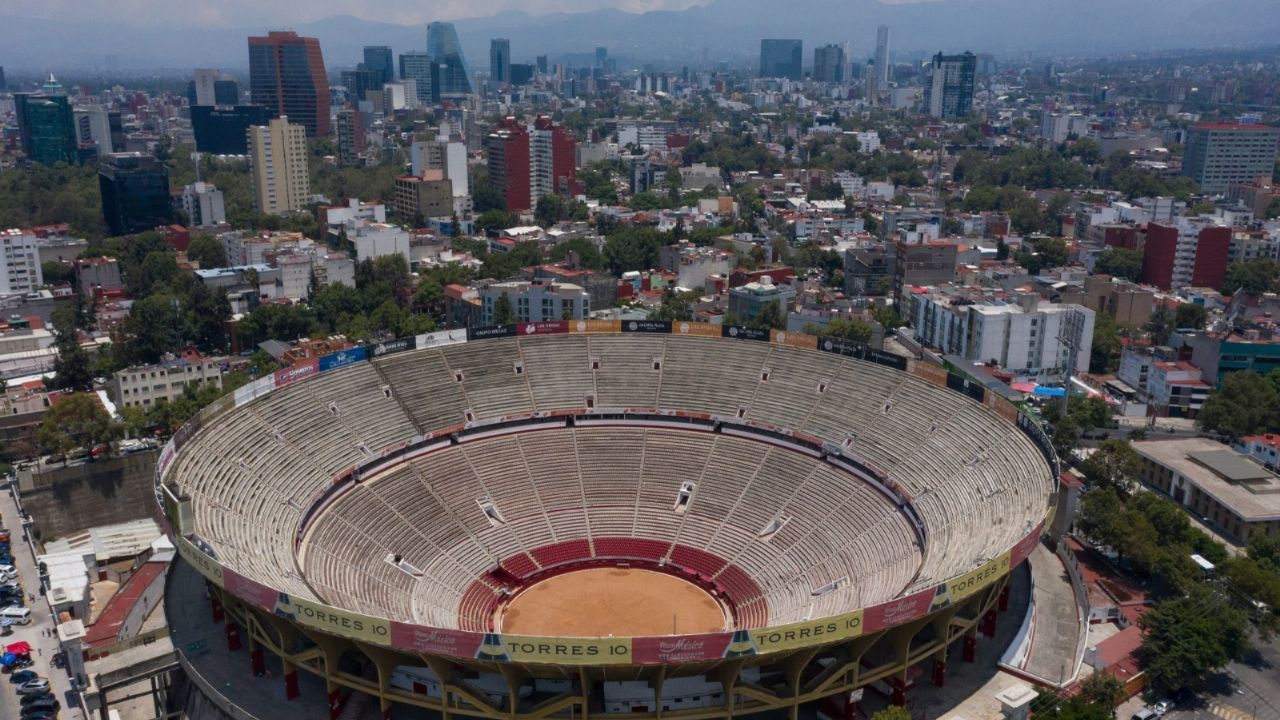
x=38 y=633
x=1248 y=690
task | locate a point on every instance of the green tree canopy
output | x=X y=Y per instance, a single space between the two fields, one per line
x=1255 y=276
x=208 y=251
x=1245 y=404
x=1185 y=639
x=76 y=420
x=1120 y=262
x=1114 y=463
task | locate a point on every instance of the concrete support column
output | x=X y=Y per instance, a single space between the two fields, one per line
x=216 y=606
x=989 y=623
x=940 y=671
x=233 y=636
x=259 y=661
x=335 y=699
x=1004 y=599
x=899 y=692
x=291 y=691
x=850 y=707
x=970 y=645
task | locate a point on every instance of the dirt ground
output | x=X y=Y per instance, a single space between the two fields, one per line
x=599 y=602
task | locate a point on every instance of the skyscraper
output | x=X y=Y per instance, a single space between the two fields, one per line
x=541 y=62
x=278 y=167
x=359 y=82
x=135 y=192
x=602 y=56
x=951 y=86
x=528 y=163
x=46 y=128
x=781 y=59
x=882 y=58
x=1220 y=154
x=828 y=64
x=201 y=90
x=444 y=48
x=377 y=58
x=500 y=60
x=224 y=130
x=286 y=75
x=418 y=68
x=98 y=126
x=350 y=137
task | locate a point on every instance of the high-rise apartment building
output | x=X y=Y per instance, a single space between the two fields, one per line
x=287 y=76
x=424 y=73
x=1184 y=255
x=444 y=48
x=135 y=192
x=377 y=58
x=278 y=167
x=882 y=58
x=212 y=87
x=446 y=154
x=204 y=205
x=359 y=82
x=781 y=59
x=1219 y=154
x=224 y=130
x=602 y=56
x=500 y=60
x=350 y=137
x=828 y=63
x=528 y=163
x=951 y=85
x=46 y=128
x=19 y=262
x=100 y=127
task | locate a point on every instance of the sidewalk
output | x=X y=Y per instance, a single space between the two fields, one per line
x=43 y=646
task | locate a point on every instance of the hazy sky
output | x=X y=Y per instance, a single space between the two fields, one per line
x=235 y=13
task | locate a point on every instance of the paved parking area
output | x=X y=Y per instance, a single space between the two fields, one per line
x=38 y=633
x=1248 y=690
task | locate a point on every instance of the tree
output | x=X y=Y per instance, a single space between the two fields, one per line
x=633 y=249
x=1089 y=413
x=156 y=326
x=1120 y=262
x=1244 y=404
x=206 y=250
x=1114 y=463
x=494 y=220
x=846 y=328
x=57 y=273
x=771 y=317
x=73 y=368
x=892 y=712
x=1100 y=518
x=1002 y=250
x=1066 y=436
x=1190 y=316
x=1105 y=351
x=580 y=253
x=76 y=420
x=1256 y=276
x=549 y=210
x=502 y=311
x=1185 y=639
x=1162 y=325
x=1273 y=209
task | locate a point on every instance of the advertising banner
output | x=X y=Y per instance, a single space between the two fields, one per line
x=342 y=358
x=739 y=332
x=880 y=357
x=808 y=633
x=790 y=339
x=453 y=643
x=974 y=580
x=1026 y=546
x=559 y=327
x=203 y=564
x=681 y=649
x=491 y=331
x=296 y=372
x=443 y=337
x=899 y=611
x=334 y=621
x=390 y=347
x=840 y=346
x=595 y=326
x=566 y=651
x=646 y=326
x=696 y=329
x=251 y=591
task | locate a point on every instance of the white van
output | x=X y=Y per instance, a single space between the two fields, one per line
x=18 y=615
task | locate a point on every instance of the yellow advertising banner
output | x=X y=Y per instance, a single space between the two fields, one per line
x=595 y=326
x=974 y=580
x=806 y=634
x=335 y=621
x=203 y=564
x=794 y=339
x=566 y=651
x=695 y=328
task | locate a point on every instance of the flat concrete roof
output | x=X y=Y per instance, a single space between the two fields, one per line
x=1254 y=497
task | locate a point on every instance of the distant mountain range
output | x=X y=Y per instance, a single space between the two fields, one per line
x=723 y=30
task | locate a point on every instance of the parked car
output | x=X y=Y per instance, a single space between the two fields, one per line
x=35 y=697
x=1160 y=707
x=38 y=685
x=40 y=714
x=23 y=676
x=22 y=662
x=47 y=704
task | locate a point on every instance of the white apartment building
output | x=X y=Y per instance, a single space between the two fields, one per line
x=149 y=384
x=19 y=263
x=536 y=301
x=1024 y=337
x=204 y=205
x=1057 y=127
